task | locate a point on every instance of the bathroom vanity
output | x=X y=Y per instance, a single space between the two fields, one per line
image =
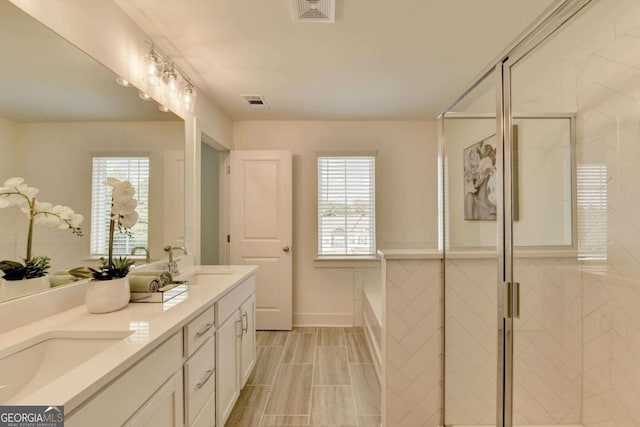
x=177 y=363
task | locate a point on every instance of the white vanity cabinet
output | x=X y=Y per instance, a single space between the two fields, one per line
x=147 y=394
x=192 y=379
x=248 y=341
x=236 y=346
x=200 y=369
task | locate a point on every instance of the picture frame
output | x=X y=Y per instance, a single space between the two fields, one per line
x=480 y=179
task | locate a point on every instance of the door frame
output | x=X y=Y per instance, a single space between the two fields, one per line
x=223 y=198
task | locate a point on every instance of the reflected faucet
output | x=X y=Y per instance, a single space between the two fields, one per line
x=147 y=258
x=173 y=265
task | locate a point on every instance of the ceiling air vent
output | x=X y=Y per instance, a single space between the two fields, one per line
x=322 y=11
x=256 y=101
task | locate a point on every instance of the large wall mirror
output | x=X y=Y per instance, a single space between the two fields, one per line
x=60 y=111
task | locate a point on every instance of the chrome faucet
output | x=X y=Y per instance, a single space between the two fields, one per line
x=173 y=265
x=147 y=258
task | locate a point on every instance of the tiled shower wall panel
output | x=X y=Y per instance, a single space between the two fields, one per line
x=608 y=124
x=548 y=346
x=413 y=343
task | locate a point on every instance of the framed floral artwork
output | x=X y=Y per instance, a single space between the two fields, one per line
x=480 y=179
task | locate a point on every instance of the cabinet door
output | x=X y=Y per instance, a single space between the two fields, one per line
x=227 y=366
x=163 y=409
x=248 y=353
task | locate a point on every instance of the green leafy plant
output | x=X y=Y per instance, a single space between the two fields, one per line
x=16 y=193
x=123 y=216
x=37 y=266
x=118 y=269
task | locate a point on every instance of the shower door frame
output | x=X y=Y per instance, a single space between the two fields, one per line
x=508 y=298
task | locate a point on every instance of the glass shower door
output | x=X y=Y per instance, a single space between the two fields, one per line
x=543 y=277
x=468 y=177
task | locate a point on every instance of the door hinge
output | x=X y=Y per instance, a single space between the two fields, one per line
x=228 y=238
x=511 y=300
x=228 y=170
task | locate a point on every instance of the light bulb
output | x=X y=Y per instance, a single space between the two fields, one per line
x=123 y=82
x=163 y=108
x=155 y=68
x=144 y=96
x=171 y=87
x=188 y=97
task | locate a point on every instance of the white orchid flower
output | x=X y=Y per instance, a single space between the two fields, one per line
x=123 y=204
x=76 y=220
x=16 y=193
x=29 y=192
x=4 y=201
x=129 y=220
x=13 y=182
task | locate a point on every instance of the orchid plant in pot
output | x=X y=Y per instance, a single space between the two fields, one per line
x=110 y=291
x=16 y=193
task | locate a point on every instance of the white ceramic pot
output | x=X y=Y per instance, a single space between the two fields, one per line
x=18 y=288
x=104 y=296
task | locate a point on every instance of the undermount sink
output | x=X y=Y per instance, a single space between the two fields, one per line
x=37 y=362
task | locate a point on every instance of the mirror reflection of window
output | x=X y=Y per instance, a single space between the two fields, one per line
x=135 y=170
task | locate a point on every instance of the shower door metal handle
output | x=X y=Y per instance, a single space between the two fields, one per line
x=512 y=300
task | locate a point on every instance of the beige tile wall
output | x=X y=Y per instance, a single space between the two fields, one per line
x=412 y=344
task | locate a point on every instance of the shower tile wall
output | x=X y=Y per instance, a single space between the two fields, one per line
x=609 y=142
x=548 y=346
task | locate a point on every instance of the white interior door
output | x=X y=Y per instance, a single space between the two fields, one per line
x=261 y=230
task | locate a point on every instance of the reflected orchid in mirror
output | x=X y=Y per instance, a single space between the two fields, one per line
x=16 y=193
x=123 y=216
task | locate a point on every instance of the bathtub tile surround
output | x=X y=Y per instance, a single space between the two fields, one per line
x=412 y=338
x=305 y=377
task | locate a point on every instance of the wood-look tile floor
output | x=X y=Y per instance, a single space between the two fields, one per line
x=310 y=377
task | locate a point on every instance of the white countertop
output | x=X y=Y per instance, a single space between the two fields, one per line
x=151 y=323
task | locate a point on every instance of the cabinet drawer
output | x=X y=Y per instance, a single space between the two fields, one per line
x=207 y=417
x=114 y=404
x=200 y=381
x=199 y=330
x=233 y=300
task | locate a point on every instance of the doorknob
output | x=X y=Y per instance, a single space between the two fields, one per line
x=285 y=249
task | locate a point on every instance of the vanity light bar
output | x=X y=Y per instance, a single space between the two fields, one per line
x=161 y=71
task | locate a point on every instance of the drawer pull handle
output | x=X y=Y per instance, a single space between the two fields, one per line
x=207 y=375
x=239 y=323
x=245 y=317
x=204 y=331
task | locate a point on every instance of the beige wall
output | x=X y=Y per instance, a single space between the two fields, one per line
x=9 y=164
x=406 y=192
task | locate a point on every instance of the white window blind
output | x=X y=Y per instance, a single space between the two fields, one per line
x=592 y=211
x=346 y=206
x=135 y=170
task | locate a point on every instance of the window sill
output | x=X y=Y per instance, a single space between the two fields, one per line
x=369 y=261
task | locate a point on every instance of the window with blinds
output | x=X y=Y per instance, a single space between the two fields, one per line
x=592 y=211
x=346 y=205
x=135 y=170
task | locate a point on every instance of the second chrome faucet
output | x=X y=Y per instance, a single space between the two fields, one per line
x=173 y=265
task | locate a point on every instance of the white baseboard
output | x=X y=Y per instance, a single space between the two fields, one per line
x=323 y=319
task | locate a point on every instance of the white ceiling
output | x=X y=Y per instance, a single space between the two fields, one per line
x=382 y=59
x=44 y=78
